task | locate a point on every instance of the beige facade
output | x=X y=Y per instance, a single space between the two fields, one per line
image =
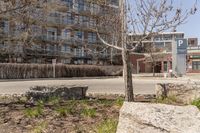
x=68 y=35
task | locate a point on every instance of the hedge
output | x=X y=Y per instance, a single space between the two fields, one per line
x=29 y=71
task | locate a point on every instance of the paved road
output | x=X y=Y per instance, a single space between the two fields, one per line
x=101 y=86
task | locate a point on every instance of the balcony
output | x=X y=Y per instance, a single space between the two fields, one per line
x=54 y=20
x=80 y=56
x=4 y=34
x=50 y=52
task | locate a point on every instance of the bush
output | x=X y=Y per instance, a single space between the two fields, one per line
x=27 y=71
x=196 y=103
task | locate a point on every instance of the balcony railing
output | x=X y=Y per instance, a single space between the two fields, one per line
x=38 y=51
x=193 y=48
x=59 y=21
x=67 y=40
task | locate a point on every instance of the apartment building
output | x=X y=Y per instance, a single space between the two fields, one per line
x=156 y=49
x=68 y=35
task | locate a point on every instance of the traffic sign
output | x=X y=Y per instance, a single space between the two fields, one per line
x=181 y=46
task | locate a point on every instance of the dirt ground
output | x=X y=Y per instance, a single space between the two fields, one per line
x=57 y=116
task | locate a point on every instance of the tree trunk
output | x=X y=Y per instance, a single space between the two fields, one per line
x=127 y=74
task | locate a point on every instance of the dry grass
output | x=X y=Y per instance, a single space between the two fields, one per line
x=72 y=116
x=27 y=71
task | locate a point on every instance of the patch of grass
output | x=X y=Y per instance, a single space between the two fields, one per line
x=39 y=128
x=167 y=100
x=108 y=126
x=72 y=103
x=105 y=102
x=54 y=100
x=85 y=102
x=196 y=103
x=88 y=112
x=35 y=111
x=119 y=102
x=64 y=111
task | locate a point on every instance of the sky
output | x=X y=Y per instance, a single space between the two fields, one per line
x=192 y=26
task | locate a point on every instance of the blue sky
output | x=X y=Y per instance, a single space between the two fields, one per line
x=192 y=27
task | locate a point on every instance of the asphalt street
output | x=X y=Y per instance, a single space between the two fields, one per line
x=97 y=86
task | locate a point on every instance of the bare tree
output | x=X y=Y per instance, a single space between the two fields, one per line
x=22 y=18
x=27 y=23
x=144 y=17
x=153 y=54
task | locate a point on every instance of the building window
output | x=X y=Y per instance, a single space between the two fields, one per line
x=92 y=22
x=5 y=26
x=114 y=2
x=66 y=61
x=159 y=45
x=66 y=34
x=19 y=28
x=196 y=65
x=50 y=48
x=51 y=34
x=2 y=44
x=165 y=66
x=87 y=6
x=94 y=8
x=69 y=3
x=80 y=5
x=79 y=52
x=54 y=17
x=81 y=19
x=92 y=37
x=179 y=36
x=85 y=20
x=66 y=49
x=37 y=30
x=68 y=19
x=79 y=35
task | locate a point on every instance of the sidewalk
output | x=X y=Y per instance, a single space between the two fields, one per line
x=159 y=76
x=195 y=77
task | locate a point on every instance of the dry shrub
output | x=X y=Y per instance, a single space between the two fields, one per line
x=28 y=71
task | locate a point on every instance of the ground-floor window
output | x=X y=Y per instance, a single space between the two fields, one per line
x=196 y=65
x=165 y=66
x=66 y=61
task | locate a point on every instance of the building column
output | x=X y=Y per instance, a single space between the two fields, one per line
x=162 y=66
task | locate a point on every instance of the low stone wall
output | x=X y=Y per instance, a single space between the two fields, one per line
x=184 y=93
x=64 y=92
x=158 y=118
